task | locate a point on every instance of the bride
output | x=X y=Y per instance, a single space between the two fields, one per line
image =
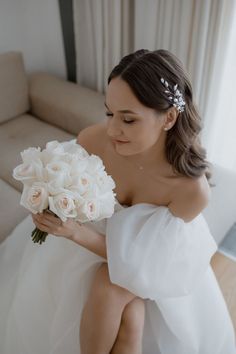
x=140 y=281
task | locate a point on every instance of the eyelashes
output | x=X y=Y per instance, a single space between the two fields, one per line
x=125 y=121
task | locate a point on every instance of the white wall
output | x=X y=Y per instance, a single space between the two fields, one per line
x=33 y=27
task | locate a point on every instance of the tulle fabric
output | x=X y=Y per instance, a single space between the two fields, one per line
x=150 y=252
x=156 y=255
x=161 y=258
x=43 y=291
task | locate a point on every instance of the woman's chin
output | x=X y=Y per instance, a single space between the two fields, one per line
x=124 y=151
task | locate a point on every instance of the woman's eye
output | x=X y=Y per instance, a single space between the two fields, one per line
x=109 y=114
x=128 y=121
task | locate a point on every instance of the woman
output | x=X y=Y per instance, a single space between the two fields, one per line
x=142 y=280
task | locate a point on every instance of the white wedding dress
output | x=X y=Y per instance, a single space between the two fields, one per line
x=152 y=253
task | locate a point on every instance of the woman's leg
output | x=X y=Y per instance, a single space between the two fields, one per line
x=130 y=335
x=101 y=317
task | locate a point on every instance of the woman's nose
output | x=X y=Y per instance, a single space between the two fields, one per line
x=113 y=128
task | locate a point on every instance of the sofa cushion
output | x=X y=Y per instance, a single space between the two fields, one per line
x=13 y=86
x=64 y=104
x=11 y=212
x=19 y=134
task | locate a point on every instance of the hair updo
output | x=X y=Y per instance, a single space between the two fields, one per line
x=142 y=71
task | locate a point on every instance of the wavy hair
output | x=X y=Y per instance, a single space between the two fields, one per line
x=142 y=71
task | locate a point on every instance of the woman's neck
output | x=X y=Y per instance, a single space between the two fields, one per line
x=152 y=158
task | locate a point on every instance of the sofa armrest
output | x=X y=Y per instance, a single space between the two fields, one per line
x=63 y=103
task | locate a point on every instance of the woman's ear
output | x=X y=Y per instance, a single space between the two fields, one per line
x=170 y=118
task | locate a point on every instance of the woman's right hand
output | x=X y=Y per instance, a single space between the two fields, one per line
x=53 y=225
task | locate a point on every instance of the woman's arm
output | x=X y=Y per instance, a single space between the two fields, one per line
x=90 y=239
x=72 y=230
x=190 y=199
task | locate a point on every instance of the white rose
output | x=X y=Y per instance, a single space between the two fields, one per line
x=35 y=197
x=30 y=154
x=55 y=147
x=67 y=145
x=88 y=210
x=53 y=152
x=95 y=164
x=93 y=192
x=104 y=181
x=73 y=148
x=59 y=171
x=29 y=172
x=55 y=187
x=48 y=156
x=77 y=165
x=82 y=184
x=107 y=202
x=63 y=205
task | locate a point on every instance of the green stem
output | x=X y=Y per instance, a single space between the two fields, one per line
x=38 y=236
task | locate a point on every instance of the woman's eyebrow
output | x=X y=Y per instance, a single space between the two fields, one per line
x=123 y=110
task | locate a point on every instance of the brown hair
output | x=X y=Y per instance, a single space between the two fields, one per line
x=142 y=70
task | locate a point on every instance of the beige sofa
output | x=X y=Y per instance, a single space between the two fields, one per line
x=40 y=108
x=34 y=110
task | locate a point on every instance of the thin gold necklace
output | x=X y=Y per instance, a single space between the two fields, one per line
x=141 y=168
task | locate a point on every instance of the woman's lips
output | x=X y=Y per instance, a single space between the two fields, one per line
x=121 y=141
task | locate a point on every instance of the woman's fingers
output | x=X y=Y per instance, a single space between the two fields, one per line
x=47 y=219
x=54 y=225
x=45 y=223
x=43 y=228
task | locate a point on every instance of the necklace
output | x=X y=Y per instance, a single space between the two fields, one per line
x=140 y=167
x=156 y=177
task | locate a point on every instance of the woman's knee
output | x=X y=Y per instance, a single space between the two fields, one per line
x=132 y=321
x=103 y=286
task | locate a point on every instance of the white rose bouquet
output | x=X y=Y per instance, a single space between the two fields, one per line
x=64 y=179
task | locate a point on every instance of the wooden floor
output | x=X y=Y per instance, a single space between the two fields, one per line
x=225 y=271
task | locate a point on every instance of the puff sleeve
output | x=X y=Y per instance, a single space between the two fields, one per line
x=155 y=254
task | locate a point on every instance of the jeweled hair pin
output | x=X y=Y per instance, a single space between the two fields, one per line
x=175 y=96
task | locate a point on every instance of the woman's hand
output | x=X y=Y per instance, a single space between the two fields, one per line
x=53 y=225
x=73 y=230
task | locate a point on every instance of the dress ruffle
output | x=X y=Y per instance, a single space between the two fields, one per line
x=155 y=254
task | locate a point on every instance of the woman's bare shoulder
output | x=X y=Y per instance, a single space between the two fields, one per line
x=93 y=138
x=192 y=196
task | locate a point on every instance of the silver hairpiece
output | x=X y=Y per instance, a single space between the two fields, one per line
x=175 y=96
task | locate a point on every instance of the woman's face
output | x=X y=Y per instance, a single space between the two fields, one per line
x=137 y=126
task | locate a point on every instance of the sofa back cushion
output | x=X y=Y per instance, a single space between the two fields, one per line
x=64 y=104
x=13 y=86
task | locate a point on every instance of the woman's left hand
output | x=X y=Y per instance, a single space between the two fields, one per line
x=53 y=225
